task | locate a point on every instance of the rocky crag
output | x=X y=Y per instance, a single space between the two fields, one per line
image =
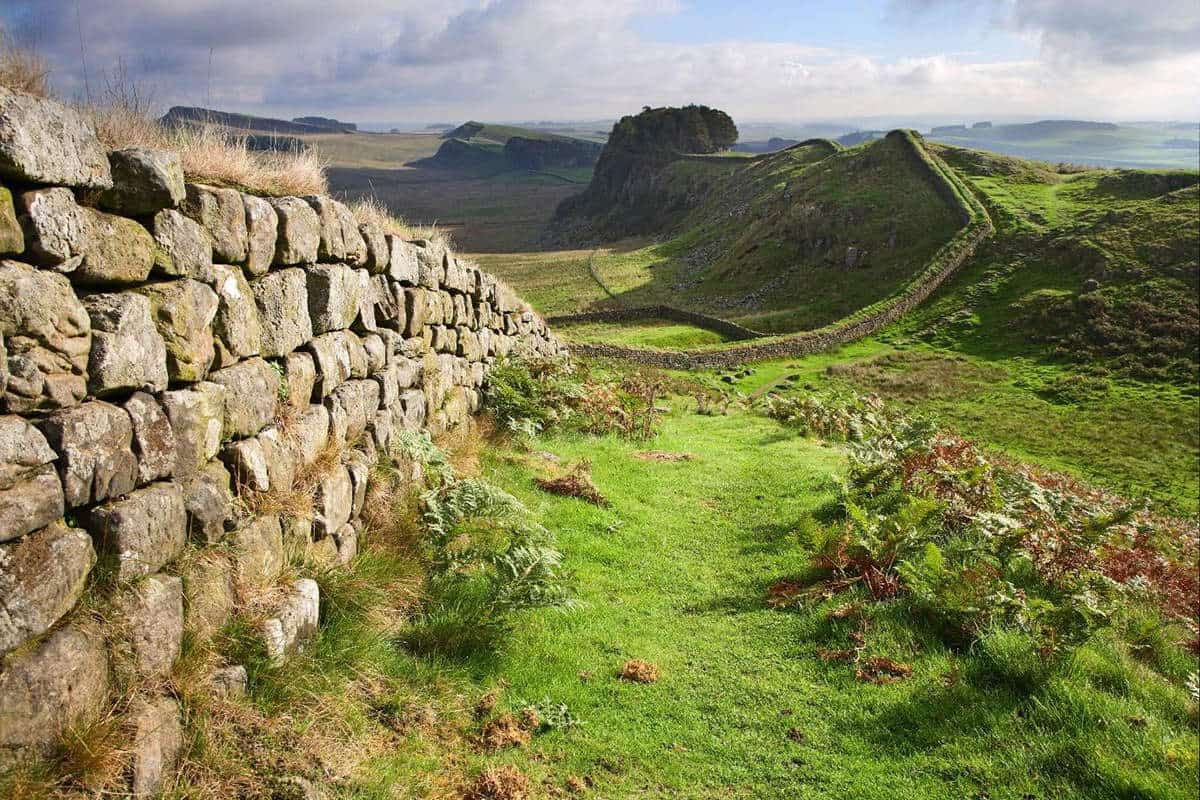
x=169 y=352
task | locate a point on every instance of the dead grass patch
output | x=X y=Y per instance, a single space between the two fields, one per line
x=636 y=670
x=576 y=483
x=503 y=732
x=22 y=69
x=370 y=211
x=880 y=670
x=662 y=455
x=504 y=782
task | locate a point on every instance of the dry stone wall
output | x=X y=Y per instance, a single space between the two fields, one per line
x=166 y=349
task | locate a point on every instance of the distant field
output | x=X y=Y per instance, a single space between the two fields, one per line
x=504 y=212
x=659 y=333
x=1130 y=146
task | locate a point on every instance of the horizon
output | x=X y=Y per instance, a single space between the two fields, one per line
x=388 y=64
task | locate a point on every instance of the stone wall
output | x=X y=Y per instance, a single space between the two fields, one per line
x=169 y=351
x=724 y=327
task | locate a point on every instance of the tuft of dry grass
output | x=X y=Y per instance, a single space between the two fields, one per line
x=636 y=670
x=576 y=483
x=22 y=69
x=504 y=731
x=370 y=211
x=505 y=782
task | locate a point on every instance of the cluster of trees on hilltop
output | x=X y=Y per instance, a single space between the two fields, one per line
x=691 y=129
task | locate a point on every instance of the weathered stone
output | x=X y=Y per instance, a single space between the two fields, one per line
x=282 y=301
x=236 y=328
x=47 y=336
x=299 y=231
x=183 y=312
x=300 y=376
x=182 y=248
x=258 y=551
x=359 y=467
x=365 y=322
x=228 y=682
x=145 y=181
x=413 y=403
x=262 y=227
x=208 y=501
x=377 y=248
x=197 y=415
x=12 y=238
x=456 y=277
x=56 y=226
x=127 y=350
x=143 y=531
x=335 y=501
x=431 y=264
x=208 y=594
x=252 y=391
x=351 y=407
x=153 y=439
x=31 y=493
x=44 y=141
x=221 y=213
x=116 y=251
x=416 y=309
x=381 y=429
x=352 y=239
x=294 y=622
x=340 y=239
x=247 y=464
x=151 y=614
x=41 y=578
x=334 y=296
x=376 y=352
x=347 y=544
x=468 y=344
x=310 y=432
x=94 y=446
x=157 y=743
x=408 y=372
x=402 y=261
x=281 y=458
x=388 y=299
x=331 y=353
x=62 y=682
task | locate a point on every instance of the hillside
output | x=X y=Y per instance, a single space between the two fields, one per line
x=249 y=123
x=482 y=149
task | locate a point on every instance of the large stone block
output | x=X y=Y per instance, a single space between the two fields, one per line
x=299 y=231
x=197 y=416
x=258 y=551
x=151 y=626
x=294 y=622
x=247 y=462
x=62 y=682
x=41 y=578
x=31 y=493
x=153 y=438
x=12 y=238
x=333 y=355
x=44 y=141
x=98 y=249
x=378 y=251
x=352 y=406
x=310 y=433
x=127 y=350
x=47 y=335
x=282 y=301
x=340 y=239
x=236 y=327
x=157 y=743
x=208 y=594
x=208 y=501
x=335 y=502
x=334 y=296
x=183 y=313
x=416 y=311
x=431 y=264
x=252 y=392
x=262 y=228
x=142 y=531
x=94 y=443
x=413 y=403
x=182 y=248
x=402 y=261
x=221 y=213
x=145 y=181
x=280 y=451
x=300 y=376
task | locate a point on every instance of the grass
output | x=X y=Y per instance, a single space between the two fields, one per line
x=657 y=333
x=22 y=69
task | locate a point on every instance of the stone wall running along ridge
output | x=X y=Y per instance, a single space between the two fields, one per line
x=166 y=350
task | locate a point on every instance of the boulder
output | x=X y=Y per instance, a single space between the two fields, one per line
x=41 y=578
x=300 y=376
x=60 y=683
x=31 y=494
x=142 y=531
x=47 y=337
x=258 y=551
x=153 y=438
x=252 y=391
x=282 y=301
x=157 y=743
x=44 y=141
x=208 y=595
x=127 y=350
x=94 y=443
x=294 y=622
x=223 y=216
x=334 y=296
x=377 y=248
x=208 y=501
x=262 y=230
x=197 y=415
x=182 y=248
x=183 y=312
x=236 y=328
x=151 y=625
x=145 y=181
x=299 y=235
x=12 y=238
x=402 y=261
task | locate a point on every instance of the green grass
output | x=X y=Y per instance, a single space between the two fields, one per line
x=675 y=573
x=657 y=333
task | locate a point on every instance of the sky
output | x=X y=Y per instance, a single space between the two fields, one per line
x=768 y=60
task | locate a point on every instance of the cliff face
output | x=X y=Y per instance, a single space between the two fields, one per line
x=169 y=357
x=540 y=154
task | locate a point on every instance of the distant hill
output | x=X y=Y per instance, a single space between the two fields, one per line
x=485 y=148
x=193 y=115
x=328 y=123
x=769 y=146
